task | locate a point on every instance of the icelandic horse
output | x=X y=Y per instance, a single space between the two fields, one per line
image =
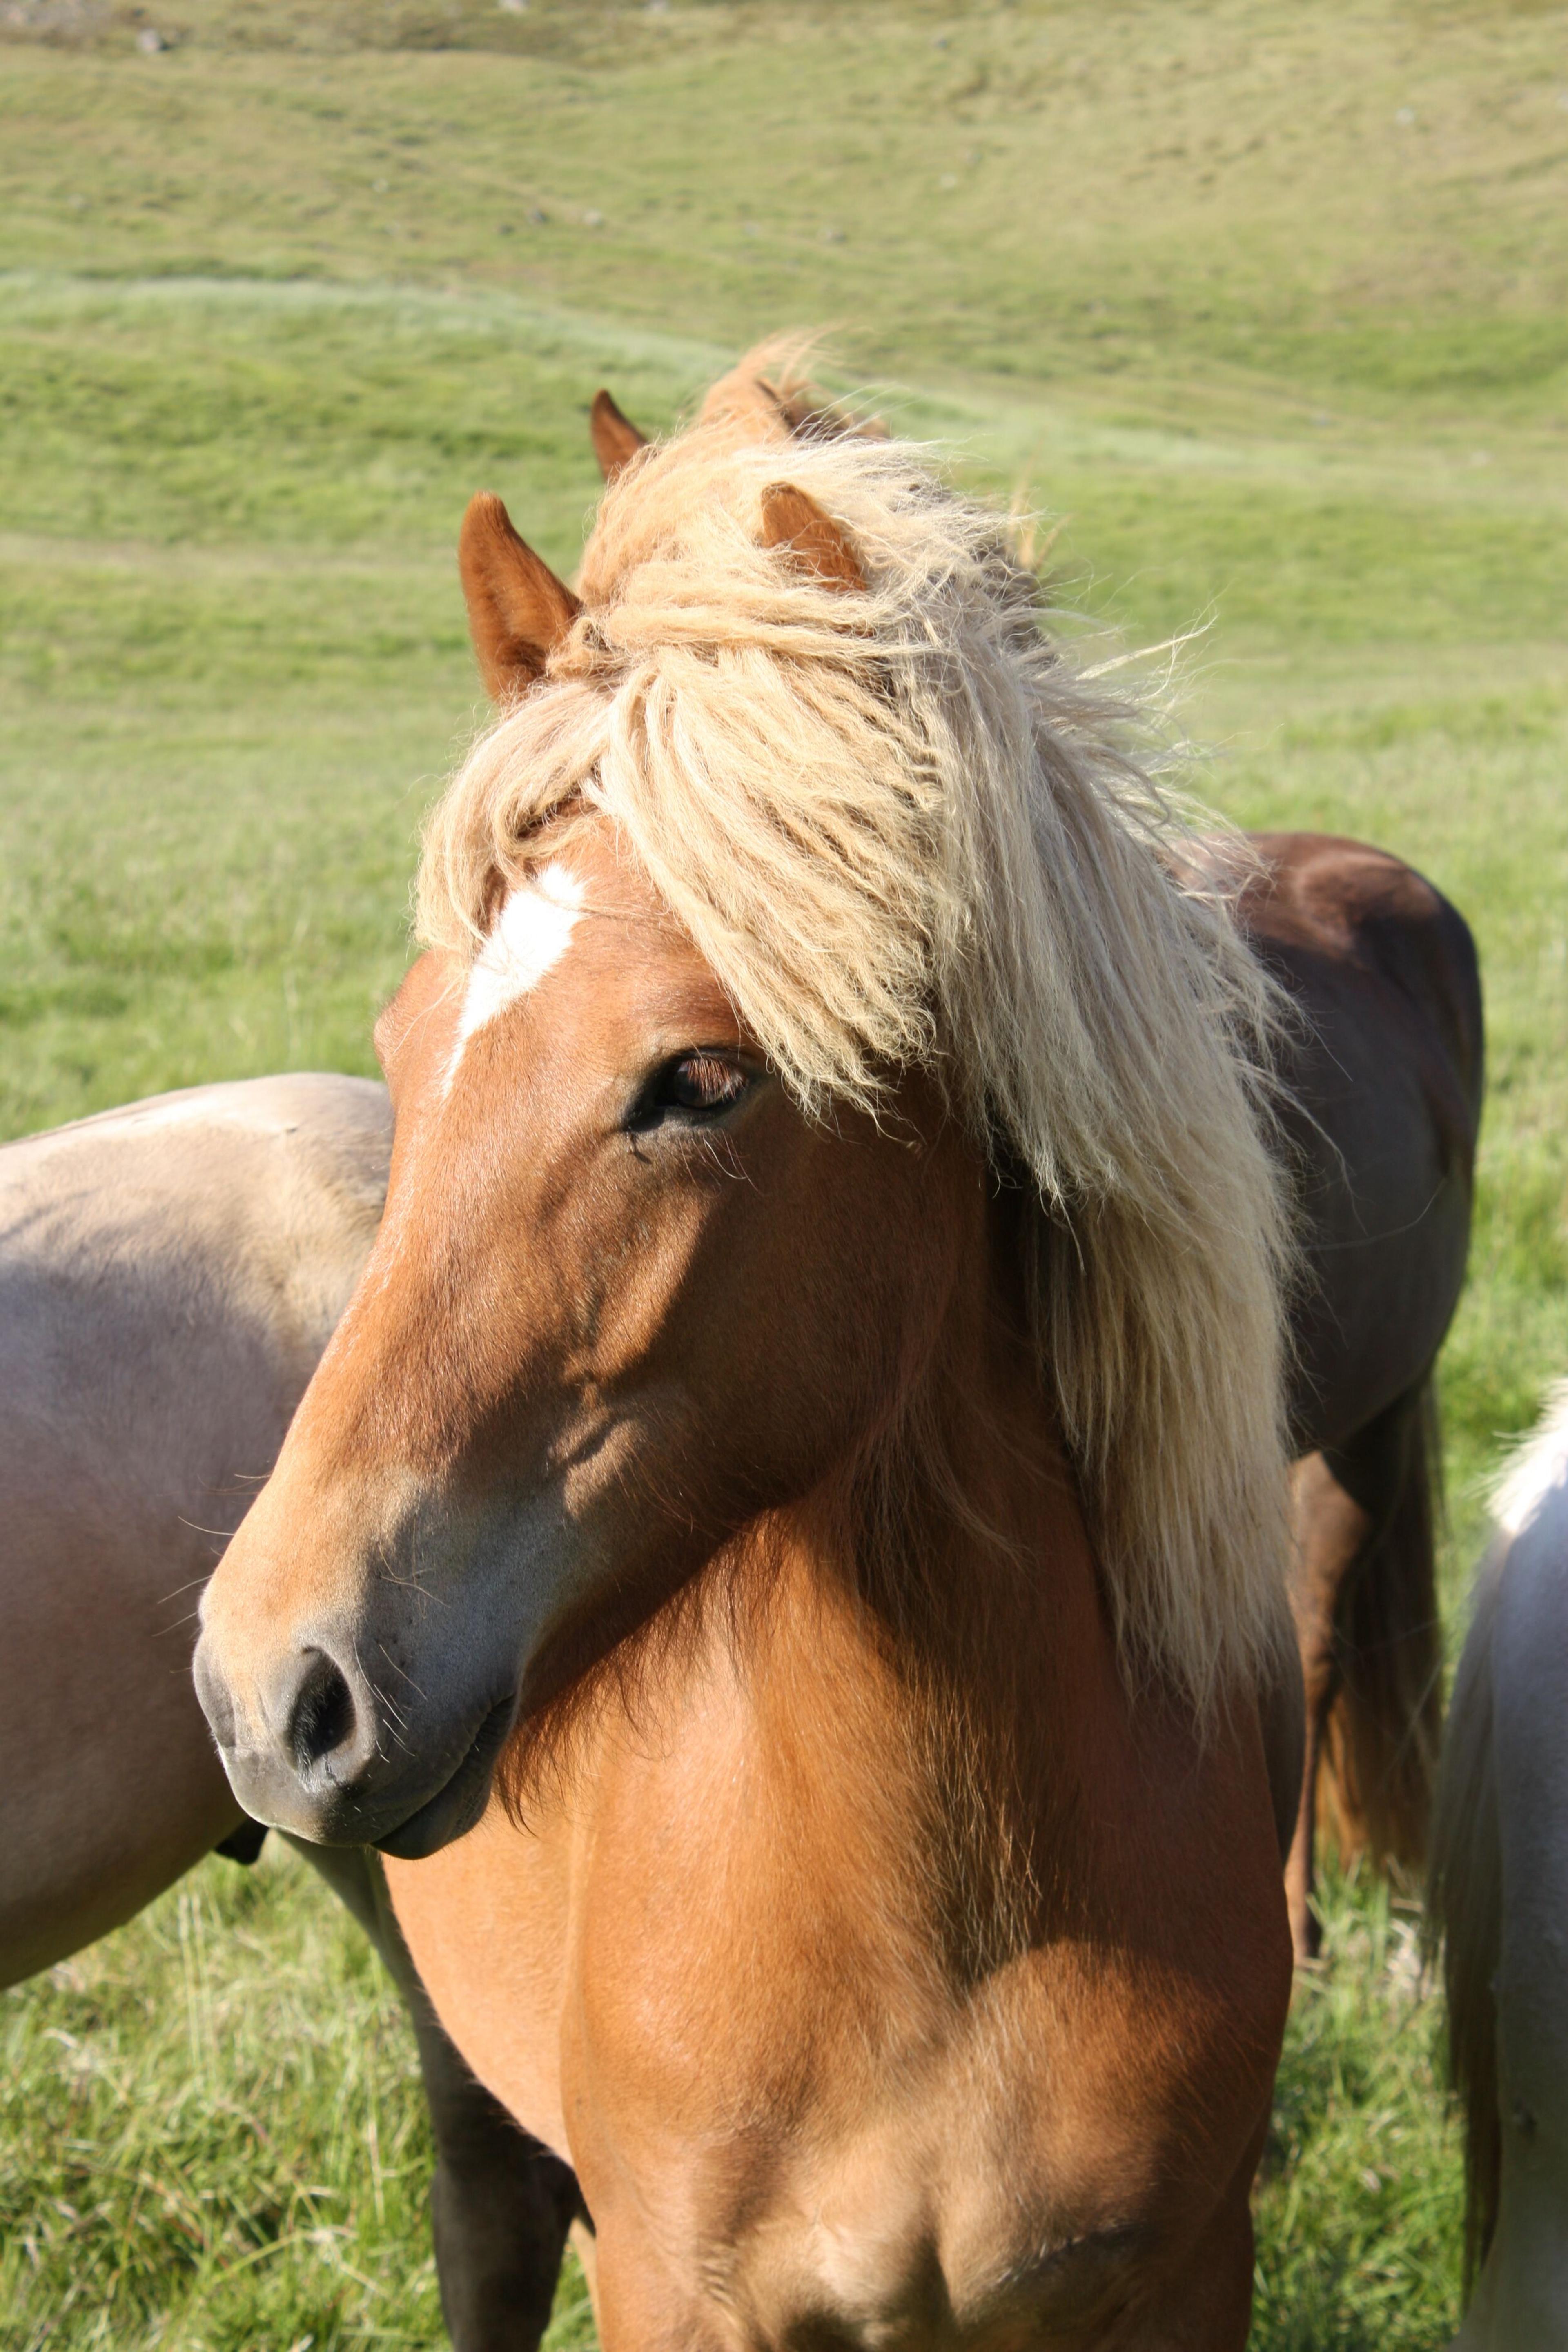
x=785 y=1552
x=169 y=1275
x=1378 y=1115
x=1498 y=1899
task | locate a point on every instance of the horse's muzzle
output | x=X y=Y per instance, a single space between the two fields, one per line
x=316 y=1751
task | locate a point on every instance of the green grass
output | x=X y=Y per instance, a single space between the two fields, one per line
x=273 y=302
x=1357 y=2202
x=224 y=2136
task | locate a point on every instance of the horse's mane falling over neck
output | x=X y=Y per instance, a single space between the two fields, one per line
x=905 y=835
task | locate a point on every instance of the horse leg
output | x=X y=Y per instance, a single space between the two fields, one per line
x=1331 y=1530
x=500 y=2204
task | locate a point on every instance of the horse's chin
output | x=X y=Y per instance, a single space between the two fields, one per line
x=457 y=1806
x=323 y=1812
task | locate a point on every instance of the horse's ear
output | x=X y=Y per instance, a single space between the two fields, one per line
x=796 y=523
x=616 y=439
x=518 y=610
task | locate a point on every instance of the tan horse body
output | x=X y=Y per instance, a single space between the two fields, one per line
x=169 y=1276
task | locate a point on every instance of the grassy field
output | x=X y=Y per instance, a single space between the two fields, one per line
x=1267 y=308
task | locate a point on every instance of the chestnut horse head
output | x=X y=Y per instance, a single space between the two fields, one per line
x=807 y=957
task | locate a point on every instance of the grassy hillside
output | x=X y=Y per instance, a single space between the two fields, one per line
x=1265 y=309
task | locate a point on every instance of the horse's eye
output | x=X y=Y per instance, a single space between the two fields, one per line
x=697 y=1085
x=702 y=1082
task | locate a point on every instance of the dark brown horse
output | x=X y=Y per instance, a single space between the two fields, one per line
x=1381 y=1108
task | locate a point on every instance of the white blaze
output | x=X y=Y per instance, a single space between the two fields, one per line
x=530 y=936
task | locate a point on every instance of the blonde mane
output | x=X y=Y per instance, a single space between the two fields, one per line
x=904 y=832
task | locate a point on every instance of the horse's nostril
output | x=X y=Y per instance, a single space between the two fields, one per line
x=322 y=1716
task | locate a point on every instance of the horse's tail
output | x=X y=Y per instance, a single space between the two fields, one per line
x=1381 y=1753
x=1464 y=1909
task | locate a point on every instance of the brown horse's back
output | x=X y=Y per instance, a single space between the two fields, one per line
x=1385 y=1076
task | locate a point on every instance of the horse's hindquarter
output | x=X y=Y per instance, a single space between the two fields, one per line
x=1386 y=1085
x=807 y=2079
x=168 y=1277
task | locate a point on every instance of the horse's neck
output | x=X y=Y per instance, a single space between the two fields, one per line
x=934 y=1660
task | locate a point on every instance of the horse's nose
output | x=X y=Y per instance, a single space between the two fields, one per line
x=300 y=1746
